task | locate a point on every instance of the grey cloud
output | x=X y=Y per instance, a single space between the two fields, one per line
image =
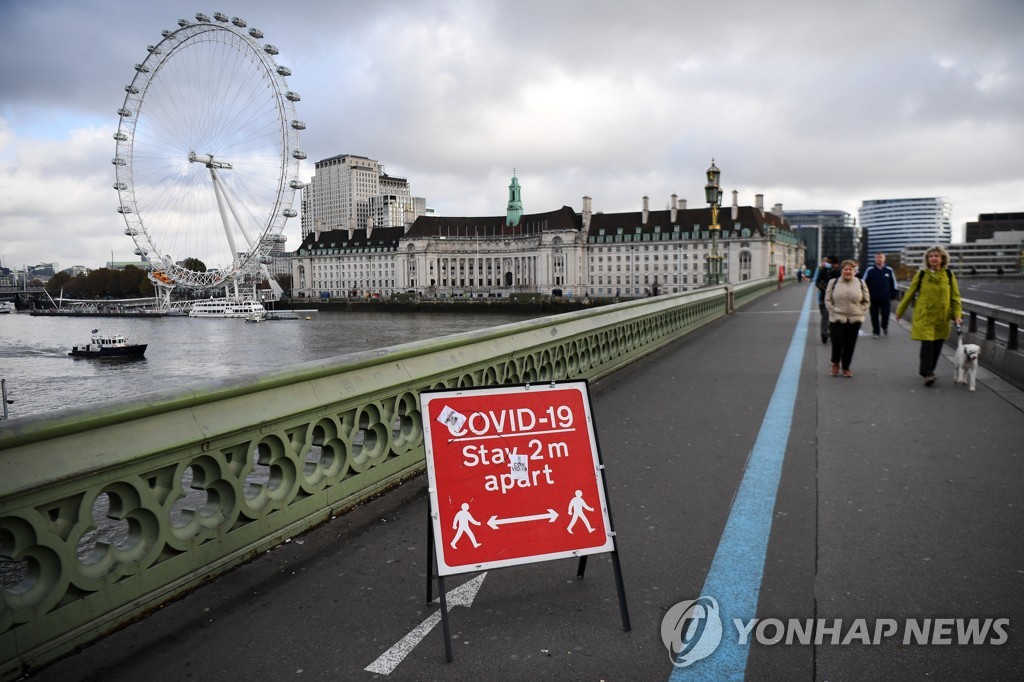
x=836 y=101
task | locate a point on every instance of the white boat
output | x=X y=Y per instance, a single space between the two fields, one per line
x=6 y=307
x=227 y=307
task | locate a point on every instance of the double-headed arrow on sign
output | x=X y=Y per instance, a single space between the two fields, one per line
x=494 y=522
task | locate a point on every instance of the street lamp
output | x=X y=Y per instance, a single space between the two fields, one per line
x=713 y=195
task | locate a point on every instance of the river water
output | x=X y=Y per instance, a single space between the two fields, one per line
x=183 y=351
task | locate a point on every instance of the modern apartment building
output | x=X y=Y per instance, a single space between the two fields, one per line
x=395 y=205
x=891 y=224
x=826 y=233
x=997 y=255
x=351 y=192
x=988 y=224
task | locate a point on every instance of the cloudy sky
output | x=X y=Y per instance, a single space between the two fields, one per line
x=815 y=104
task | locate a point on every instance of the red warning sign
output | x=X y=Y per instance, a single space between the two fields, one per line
x=514 y=476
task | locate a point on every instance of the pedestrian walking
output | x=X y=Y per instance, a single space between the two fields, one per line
x=826 y=272
x=847 y=299
x=935 y=297
x=881 y=281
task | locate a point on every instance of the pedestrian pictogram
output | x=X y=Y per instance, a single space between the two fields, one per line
x=461 y=525
x=576 y=507
x=515 y=476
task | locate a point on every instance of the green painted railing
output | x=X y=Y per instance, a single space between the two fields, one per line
x=108 y=511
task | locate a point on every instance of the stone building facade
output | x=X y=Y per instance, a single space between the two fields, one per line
x=560 y=252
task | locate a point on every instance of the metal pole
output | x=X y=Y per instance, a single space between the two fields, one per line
x=3 y=392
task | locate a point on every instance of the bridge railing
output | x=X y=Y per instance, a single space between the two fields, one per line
x=997 y=330
x=1001 y=324
x=999 y=338
x=108 y=511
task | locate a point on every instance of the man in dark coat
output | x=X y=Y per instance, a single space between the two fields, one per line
x=881 y=281
x=826 y=272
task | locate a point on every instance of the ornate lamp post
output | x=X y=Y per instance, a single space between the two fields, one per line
x=713 y=194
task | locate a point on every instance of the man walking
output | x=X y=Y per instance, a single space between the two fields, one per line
x=881 y=281
x=826 y=272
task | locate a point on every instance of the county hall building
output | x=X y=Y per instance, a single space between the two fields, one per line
x=561 y=252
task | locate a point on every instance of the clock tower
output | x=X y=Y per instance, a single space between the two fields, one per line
x=515 y=202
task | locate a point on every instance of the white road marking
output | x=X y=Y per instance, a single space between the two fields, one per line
x=462 y=595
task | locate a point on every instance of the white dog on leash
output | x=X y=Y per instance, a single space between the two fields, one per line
x=966 y=363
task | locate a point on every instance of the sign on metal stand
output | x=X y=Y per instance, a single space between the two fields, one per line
x=515 y=476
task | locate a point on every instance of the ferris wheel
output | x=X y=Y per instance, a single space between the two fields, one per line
x=208 y=154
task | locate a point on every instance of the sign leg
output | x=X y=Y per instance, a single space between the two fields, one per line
x=430 y=557
x=582 y=567
x=445 y=628
x=620 y=586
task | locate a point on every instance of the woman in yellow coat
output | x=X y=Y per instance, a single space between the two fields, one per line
x=936 y=299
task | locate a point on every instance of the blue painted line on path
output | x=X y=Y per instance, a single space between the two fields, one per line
x=738 y=567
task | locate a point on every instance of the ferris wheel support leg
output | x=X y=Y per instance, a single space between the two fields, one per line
x=163 y=295
x=234 y=212
x=221 y=200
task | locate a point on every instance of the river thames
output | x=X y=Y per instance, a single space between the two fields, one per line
x=183 y=351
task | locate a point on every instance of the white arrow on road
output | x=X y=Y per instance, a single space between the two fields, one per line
x=494 y=521
x=462 y=595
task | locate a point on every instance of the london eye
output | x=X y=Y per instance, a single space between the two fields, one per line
x=207 y=155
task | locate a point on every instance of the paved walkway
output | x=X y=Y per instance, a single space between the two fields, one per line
x=895 y=501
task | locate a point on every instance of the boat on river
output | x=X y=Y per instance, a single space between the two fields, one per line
x=227 y=307
x=109 y=346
